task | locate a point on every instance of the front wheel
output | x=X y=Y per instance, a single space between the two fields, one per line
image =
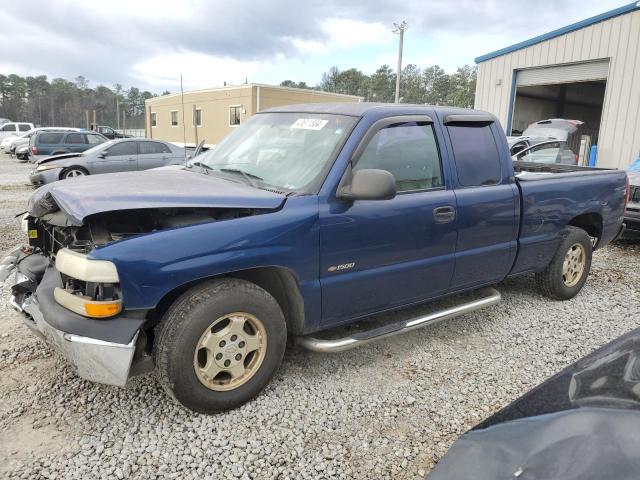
x=567 y=273
x=219 y=345
x=72 y=172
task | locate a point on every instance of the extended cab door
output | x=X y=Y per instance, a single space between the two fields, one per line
x=379 y=254
x=487 y=201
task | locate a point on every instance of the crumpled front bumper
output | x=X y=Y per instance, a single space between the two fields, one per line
x=93 y=359
x=101 y=350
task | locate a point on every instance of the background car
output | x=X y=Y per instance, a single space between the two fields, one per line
x=45 y=144
x=566 y=131
x=4 y=120
x=15 y=128
x=548 y=152
x=13 y=143
x=6 y=142
x=632 y=212
x=22 y=152
x=110 y=133
x=113 y=156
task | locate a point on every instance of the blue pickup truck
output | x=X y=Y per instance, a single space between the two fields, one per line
x=306 y=218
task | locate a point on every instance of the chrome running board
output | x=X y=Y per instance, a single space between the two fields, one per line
x=488 y=296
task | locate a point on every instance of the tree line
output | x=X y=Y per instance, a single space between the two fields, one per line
x=60 y=102
x=429 y=85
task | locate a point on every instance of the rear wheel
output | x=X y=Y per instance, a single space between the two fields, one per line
x=71 y=172
x=567 y=273
x=219 y=345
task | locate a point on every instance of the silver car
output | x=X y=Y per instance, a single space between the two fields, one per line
x=548 y=152
x=113 y=156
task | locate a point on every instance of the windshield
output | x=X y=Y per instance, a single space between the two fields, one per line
x=285 y=150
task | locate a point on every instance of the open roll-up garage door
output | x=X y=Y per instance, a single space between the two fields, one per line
x=573 y=91
x=575 y=72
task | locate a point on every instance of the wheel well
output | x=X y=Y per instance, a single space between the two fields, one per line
x=280 y=282
x=590 y=223
x=77 y=167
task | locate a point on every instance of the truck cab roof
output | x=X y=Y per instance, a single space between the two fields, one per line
x=360 y=109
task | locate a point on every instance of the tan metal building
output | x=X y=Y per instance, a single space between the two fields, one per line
x=211 y=114
x=587 y=71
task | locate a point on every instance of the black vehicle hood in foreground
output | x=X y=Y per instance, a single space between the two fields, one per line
x=81 y=197
x=582 y=423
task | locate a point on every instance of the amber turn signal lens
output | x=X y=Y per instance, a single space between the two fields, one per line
x=103 y=310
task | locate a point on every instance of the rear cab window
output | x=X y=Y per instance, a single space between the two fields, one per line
x=476 y=154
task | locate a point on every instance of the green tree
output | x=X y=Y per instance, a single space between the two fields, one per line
x=381 y=85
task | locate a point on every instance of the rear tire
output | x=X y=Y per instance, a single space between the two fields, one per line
x=71 y=172
x=567 y=273
x=219 y=345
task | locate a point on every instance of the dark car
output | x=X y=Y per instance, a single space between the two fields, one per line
x=632 y=213
x=45 y=144
x=110 y=133
x=581 y=424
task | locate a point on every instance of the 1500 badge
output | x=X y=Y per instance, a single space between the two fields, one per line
x=344 y=266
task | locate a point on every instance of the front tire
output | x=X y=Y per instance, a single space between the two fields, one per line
x=71 y=172
x=219 y=345
x=567 y=273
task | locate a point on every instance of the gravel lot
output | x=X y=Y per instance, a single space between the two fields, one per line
x=388 y=410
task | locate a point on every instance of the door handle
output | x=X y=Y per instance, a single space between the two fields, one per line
x=131 y=159
x=444 y=214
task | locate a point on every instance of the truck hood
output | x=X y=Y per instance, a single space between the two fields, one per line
x=81 y=197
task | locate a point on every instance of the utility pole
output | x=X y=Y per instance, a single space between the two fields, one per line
x=399 y=28
x=118 y=112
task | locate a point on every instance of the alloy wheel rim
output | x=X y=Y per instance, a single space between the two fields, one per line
x=573 y=265
x=230 y=351
x=74 y=173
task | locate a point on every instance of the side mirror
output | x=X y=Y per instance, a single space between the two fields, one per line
x=103 y=154
x=369 y=184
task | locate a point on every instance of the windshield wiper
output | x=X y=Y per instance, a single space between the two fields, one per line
x=204 y=168
x=247 y=176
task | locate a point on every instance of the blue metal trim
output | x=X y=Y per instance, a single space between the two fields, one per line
x=512 y=101
x=561 y=31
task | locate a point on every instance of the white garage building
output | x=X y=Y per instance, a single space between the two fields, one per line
x=587 y=71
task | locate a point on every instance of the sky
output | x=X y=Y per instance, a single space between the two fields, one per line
x=148 y=44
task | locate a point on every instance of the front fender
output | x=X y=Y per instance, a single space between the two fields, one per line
x=154 y=264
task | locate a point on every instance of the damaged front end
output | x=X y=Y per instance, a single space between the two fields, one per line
x=74 y=301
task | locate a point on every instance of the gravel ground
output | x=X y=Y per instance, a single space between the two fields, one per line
x=388 y=410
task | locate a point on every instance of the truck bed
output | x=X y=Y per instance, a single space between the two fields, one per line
x=520 y=166
x=553 y=196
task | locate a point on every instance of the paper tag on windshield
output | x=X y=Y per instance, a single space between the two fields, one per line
x=309 y=123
